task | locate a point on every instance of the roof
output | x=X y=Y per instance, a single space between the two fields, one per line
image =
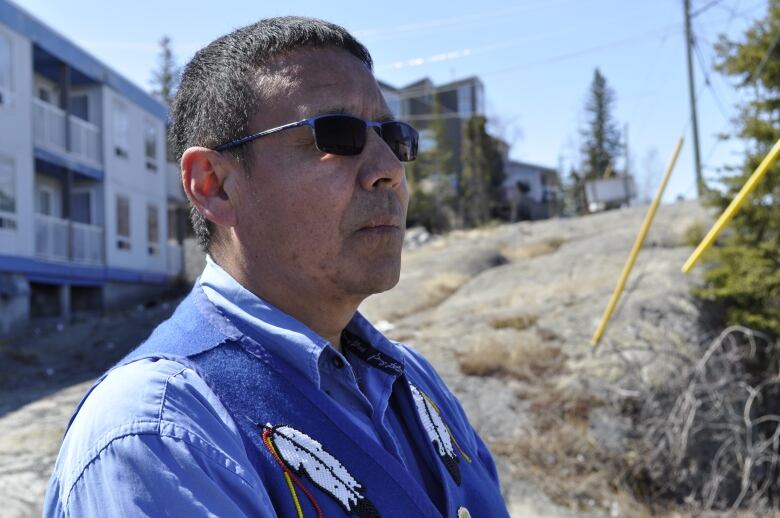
x=54 y=43
x=527 y=165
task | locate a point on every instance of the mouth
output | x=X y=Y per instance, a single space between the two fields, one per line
x=385 y=223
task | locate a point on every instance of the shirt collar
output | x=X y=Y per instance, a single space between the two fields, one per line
x=281 y=334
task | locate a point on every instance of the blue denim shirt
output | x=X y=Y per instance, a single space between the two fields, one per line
x=152 y=438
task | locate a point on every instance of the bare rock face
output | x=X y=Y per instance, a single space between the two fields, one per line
x=514 y=307
x=505 y=314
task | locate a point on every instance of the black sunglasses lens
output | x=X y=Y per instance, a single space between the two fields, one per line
x=340 y=134
x=402 y=139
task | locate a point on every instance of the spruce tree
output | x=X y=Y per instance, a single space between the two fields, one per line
x=601 y=137
x=165 y=79
x=431 y=208
x=744 y=277
x=482 y=174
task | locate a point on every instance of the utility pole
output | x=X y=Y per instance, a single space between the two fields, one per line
x=700 y=187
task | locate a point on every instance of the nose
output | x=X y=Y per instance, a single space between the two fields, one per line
x=380 y=168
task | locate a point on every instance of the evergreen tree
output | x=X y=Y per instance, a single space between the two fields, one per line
x=429 y=176
x=601 y=145
x=165 y=80
x=745 y=278
x=482 y=174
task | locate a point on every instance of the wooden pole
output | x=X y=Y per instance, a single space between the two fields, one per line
x=733 y=207
x=640 y=239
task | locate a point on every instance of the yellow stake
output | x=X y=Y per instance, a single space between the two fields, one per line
x=733 y=207
x=640 y=239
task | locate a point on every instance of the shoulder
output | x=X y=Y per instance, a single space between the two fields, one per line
x=149 y=401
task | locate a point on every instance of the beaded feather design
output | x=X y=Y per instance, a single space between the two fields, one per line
x=304 y=456
x=438 y=432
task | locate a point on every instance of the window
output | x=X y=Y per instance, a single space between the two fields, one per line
x=5 y=69
x=122 y=223
x=152 y=230
x=121 y=130
x=7 y=195
x=79 y=106
x=81 y=207
x=150 y=146
x=45 y=201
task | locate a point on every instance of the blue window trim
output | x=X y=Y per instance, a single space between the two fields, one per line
x=65 y=273
x=28 y=26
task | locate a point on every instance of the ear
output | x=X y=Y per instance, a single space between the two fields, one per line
x=204 y=172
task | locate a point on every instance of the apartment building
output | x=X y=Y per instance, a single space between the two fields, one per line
x=422 y=102
x=86 y=194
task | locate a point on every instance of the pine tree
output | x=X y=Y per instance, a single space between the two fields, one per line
x=165 y=80
x=602 y=144
x=745 y=278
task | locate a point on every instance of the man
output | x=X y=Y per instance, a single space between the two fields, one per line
x=267 y=393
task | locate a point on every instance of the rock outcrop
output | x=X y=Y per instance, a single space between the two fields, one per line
x=506 y=314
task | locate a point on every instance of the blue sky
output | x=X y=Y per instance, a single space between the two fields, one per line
x=536 y=58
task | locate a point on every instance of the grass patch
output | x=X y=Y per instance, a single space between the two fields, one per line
x=532 y=250
x=523 y=361
x=441 y=286
x=518 y=322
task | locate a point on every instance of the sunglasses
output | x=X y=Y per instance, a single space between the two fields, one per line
x=346 y=135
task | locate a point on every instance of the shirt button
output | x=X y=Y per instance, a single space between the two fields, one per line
x=337 y=362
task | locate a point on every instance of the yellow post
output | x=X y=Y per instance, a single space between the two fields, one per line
x=608 y=171
x=640 y=239
x=733 y=207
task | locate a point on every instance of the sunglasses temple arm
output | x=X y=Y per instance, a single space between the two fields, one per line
x=249 y=138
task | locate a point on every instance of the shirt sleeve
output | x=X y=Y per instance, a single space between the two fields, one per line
x=166 y=449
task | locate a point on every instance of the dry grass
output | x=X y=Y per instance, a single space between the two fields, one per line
x=526 y=361
x=559 y=454
x=531 y=250
x=518 y=322
x=441 y=286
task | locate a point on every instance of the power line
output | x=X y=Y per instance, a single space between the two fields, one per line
x=757 y=72
x=705 y=8
x=707 y=81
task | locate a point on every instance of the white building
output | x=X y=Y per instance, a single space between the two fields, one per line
x=84 y=183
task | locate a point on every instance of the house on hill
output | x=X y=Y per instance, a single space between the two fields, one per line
x=532 y=191
x=86 y=195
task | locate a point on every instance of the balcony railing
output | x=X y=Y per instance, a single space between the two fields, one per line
x=87 y=243
x=175 y=259
x=49 y=131
x=58 y=239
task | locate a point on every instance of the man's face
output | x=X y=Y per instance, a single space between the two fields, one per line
x=326 y=226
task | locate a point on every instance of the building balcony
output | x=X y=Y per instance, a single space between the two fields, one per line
x=59 y=239
x=49 y=132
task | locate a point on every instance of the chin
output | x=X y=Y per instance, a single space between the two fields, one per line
x=371 y=281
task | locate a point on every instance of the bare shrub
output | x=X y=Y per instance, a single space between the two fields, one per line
x=711 y=436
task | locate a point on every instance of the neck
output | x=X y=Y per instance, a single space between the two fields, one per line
x=324 y=313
